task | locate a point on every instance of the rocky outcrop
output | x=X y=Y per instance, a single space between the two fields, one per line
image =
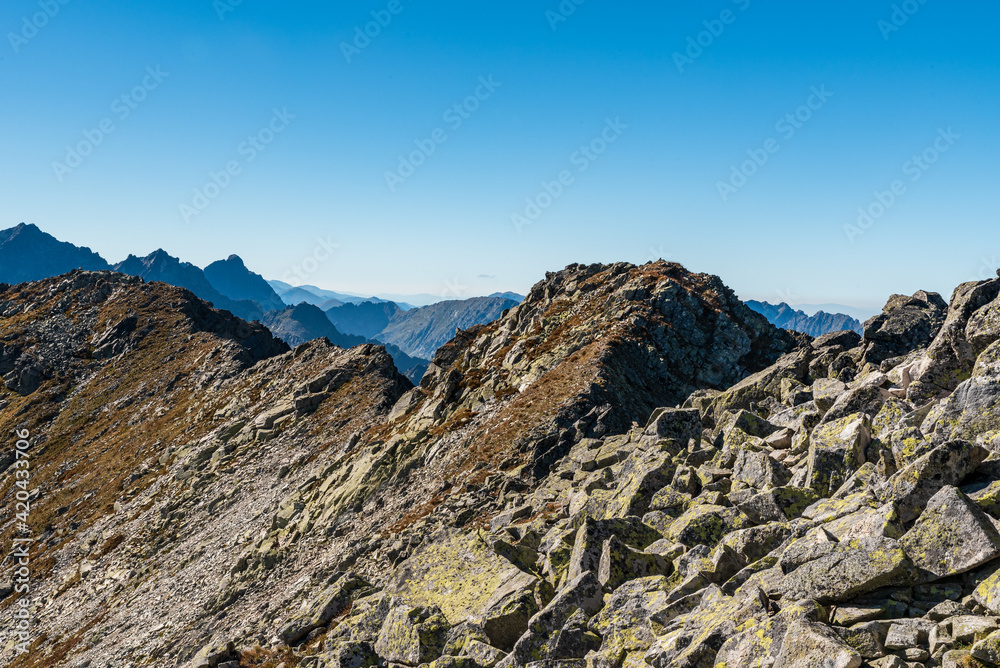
x=630 y=468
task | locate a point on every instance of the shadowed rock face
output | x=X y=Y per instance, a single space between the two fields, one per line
x=628 y=468
x=905 y=324
x=232 y=279
x=28 y=254
x=161 y=266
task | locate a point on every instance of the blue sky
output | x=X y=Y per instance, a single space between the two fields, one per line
x=599 y=134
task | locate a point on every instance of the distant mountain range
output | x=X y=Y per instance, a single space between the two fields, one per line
x=784 y=316
x=418 y=332
x=422 y=331
x=310 y=294
x=857 y=312
x=304 y=322
x=296 y=314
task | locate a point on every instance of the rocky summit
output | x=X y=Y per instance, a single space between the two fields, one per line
x=630 y=468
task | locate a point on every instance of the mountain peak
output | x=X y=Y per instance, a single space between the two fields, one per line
x=28 y=254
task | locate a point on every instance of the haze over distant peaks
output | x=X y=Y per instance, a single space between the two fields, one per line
x=784 y=316
x=232 y=278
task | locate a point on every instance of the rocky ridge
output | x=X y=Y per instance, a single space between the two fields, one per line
x=630 y=468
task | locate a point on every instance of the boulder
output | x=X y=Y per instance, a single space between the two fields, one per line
x=758 y=645
x=694 y=638
x=912 y=487
x=951 y=536
x=757 y=469
x=988 y=649
x=620 y=563
x=214 y=654
x=349 y=654
x=950 y=357
x=590 y=537
x=627 y=621
x=778 y=504
x=558 y=631
x=837 y=572
x=643 y=473
x=412 y=635
x=324 y=608
x=365 y=619
x=812 y=644
x=456 y=572
x=506 y=613
x=826 y=391
x=905 y=324
x=680 y=424
x=973 y=409
x=836 y=450
x=705 y=525
x=485 y=656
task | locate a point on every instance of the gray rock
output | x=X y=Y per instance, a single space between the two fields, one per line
x=948 y=464
x=836 y=450
x=758 y=470
x=951 y=536
x=557 y=631
x=506 y=614
x=620 y=563
x=811 y=644
x=841 y=571
x=412 y=635
x=905 y=324
x=627 y=621
x=349 y=654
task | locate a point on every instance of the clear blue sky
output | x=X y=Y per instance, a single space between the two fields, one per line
x=883 y=96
